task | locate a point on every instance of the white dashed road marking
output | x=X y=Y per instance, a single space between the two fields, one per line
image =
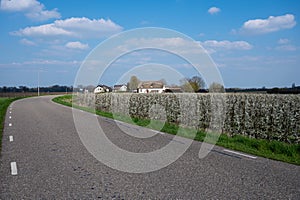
x=10 y=124
x=11 y=138
x=241 y=154
x=13 y=166
x=9 y=117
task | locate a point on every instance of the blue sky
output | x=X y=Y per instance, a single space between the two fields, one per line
x=253 y=43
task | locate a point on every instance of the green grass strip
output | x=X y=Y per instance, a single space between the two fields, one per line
x=275 y=150
x=4 y=103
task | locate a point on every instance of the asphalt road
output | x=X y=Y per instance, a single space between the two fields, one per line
x=52 y=163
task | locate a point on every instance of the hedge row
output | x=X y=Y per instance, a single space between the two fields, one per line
x=265 y=116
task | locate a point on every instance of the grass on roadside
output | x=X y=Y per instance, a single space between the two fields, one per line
x=269 y=149
x=4 y=103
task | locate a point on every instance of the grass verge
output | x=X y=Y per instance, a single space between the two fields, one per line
x=269 y=149
x=4 y=103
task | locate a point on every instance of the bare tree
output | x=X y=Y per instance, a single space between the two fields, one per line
x=192 y=84
x=216 y=87
x=197 y=83
x=163 y=81
x=133 y=83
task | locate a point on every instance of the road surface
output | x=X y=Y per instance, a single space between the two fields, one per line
x=43 y=158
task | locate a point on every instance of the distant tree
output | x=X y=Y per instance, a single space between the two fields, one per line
x=216 y=87
x=23 y=89
x=274 y=90
x=133 y=83
x=192 y=84
x=174 y=86
x=197 y=83
x=185 y=85
x=80 y=86
x=163 y=81
x=4 y=89
x=90 y=88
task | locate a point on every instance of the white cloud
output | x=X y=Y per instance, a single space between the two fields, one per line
x=176 y=43
x=27 y=42
x=213 y=10
x=75 y=27
x=42 y=62
x=271 y=24
x=19 y=5
x=33 y=9
x=44 y=15
x=77 y=45
x=186 y=47
x=283 y=41
x=227 y=45
x=43 y=30
x=286 y=47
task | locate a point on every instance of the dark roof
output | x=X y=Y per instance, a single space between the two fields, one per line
x=119 y=86
x=173 y=90
x=202 y=91
x=105 y=87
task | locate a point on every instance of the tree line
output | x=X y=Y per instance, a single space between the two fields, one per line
x=25 y=89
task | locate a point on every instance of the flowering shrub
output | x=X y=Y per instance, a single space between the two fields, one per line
x=263 y=116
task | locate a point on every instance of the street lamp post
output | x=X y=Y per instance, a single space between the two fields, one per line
x=38 y=89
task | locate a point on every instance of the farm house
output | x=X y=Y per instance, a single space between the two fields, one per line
x=151 y=87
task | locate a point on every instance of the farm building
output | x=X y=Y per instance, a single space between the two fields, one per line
x=151 y=87
x=102 y=89
x=120 y=88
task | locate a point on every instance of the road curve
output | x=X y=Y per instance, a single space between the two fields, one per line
x=43 y=158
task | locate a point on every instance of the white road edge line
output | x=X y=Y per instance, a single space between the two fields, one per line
x=11 y=138
x=120 y=122
x=9 y=124
x=155 y=131
x=13 y=166
x=241 y=154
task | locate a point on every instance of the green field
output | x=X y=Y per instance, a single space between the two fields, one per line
x=269 y=149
